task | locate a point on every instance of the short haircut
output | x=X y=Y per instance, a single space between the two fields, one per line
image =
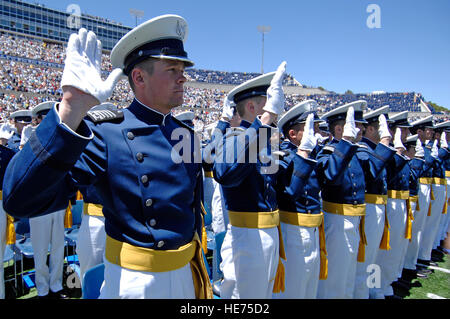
x=296 y=127
x=240 y=106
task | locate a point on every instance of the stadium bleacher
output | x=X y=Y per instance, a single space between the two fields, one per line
x=31 y=71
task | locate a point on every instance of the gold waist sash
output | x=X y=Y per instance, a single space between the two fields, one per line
x=149 y=260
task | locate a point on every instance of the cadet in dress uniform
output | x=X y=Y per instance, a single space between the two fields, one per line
x=250 y=249
x=398 y=173
x=375 y=196
x=441 y=135
x=437 y=190
x=342 y=179
x=151 y=197
x=46 y=231
x=416 y=163
x=424 y=198
x=301 y=218
x=439 y=178
x=21 y=119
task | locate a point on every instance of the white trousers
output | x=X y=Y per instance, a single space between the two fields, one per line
x=220 y=219
x=443 y=229
x=432 y=222
x=342 y=238
x=418 y=227
x=2 y=249
x=208 y=190
x=404 y=249
x=91 y=242
x=45 y=231
x=374 y=226
x=389 y=260
x=122 y=283
x=442 y=232
x=302 y=264
x=249 y=262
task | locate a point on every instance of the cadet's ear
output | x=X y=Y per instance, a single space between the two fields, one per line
x=292 y=134
x=249 y=107
x=136 y=76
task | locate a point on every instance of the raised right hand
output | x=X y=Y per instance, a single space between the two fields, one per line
x=350 y=129
x=228 y=108
x=82 y=67
x=309 y=141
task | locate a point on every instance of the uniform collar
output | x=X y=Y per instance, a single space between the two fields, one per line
x=371 y=144
x=287 y=144
x=245 y=124
x=147 y=114
x=334 y=140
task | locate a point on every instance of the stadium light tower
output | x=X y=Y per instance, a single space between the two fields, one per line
x=137 y=14
x=263 y=29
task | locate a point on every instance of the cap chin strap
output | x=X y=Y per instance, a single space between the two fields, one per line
x=164 y=47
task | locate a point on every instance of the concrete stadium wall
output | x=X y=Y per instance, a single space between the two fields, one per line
x=228 y=87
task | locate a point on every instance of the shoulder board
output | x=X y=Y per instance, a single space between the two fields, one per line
x=362 y=145
x=281 y=153
x=98 y=116
x=328 y=148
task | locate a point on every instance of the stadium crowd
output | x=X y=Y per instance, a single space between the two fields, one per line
x=41 y=84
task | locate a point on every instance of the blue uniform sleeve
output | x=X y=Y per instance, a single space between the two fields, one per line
x=394 y=167
x=416 y=166
x=443 y=154
x=429 y=161
x=377 y=160
x=237 y=154
x=330 y=166
x=294 y=174
x=44 y=174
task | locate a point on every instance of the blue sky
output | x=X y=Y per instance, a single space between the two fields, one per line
x=325 y=42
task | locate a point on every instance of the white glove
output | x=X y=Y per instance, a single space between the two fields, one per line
x=275 y=94
x=227 y=109
x=26 y=134
x=383 y=129
x=350 y=129
x=320 y=138
x=434 y=149
x=444 y=143
x=420 y=152
x=309 y=141
x=398 y=139
x=82 y=67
